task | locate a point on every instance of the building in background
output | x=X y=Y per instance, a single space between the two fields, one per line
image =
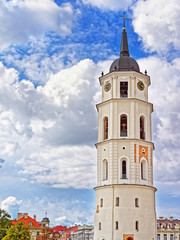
x=168 y=229
x=35 y=227
x=125 y=196
x=84 y=232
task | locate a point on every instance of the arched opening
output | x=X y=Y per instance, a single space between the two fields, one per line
x=143 y=169
x=105 y=169
x=136 y=202
x=137 y=226
x=99 y=225
x=117 y=225
x=142 y=130
x=101 y=203
x=117 y=201
x=123 y=126
x=105 y=128
x=124 y=169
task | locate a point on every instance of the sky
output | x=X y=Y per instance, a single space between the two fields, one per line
x=52 y=53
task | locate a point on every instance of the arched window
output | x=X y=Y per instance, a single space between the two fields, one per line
x=124 y=174
x=105 y=169
x=123 y=126
x=116 y=225
x=137 y=226
x=136 y=202
x=142 y=132
x=143 y=170
x=101 y=202
x=105 y=128
x=117 y=201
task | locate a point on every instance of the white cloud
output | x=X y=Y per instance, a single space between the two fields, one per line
x=10 y=203
x=157 y=24
x=59 y=211
x=47 y=130
x=164 y=94
x=114 y=5
x=23 y=18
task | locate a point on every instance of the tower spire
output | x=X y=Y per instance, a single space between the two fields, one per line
x=124 y=41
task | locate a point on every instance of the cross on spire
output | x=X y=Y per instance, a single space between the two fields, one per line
x=124 y=21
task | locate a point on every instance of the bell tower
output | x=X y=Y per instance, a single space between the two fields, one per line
x=125 y=196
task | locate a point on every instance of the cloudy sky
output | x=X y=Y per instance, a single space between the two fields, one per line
x=51 y=55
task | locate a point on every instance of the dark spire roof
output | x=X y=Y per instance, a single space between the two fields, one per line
x=124 y=62
x=124 y=45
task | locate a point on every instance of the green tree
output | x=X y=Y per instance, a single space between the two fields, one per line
x=18 y=232
x=5 y=223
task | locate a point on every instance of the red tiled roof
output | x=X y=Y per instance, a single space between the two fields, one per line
x=59 y=228
x=27 y=221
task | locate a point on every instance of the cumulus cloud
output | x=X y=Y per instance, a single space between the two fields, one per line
x=164 y=94
x=60 y=117
x=114 y=5
x=59 y=211
x=10 y=203
x=157 y=26
x=23 y=18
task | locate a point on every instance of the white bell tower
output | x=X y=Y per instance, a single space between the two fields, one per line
x=125 y=196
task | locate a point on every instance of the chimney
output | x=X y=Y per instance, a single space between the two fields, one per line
x=171 y=218
x=34 y=217
x=25 y=215
x=161 y=218
x=20 y=215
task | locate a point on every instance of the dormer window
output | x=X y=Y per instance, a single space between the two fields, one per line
x=123 y=89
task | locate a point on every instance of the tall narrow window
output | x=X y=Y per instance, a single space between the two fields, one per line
x=123 y=169
x=123 y=126
x=117 y=201
x=105 y=128
x=137 y=226
x=143 y=169
x=165 y=236
x=136 y=202
x=171 y=236
x=142 y=132
x=105 y=169
x=158 y=237
x=99 y=225
x=123 y=89
x=116 y=225
x=101 y=202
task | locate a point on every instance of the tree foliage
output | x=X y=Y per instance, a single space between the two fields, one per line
x=48 y=233
x=5 y=223
x=18 y=232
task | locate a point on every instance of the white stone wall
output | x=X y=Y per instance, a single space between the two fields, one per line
x=126 y=213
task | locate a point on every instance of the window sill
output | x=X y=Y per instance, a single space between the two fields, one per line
x=124 y=178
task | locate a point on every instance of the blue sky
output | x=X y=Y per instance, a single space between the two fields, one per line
x=51 y=55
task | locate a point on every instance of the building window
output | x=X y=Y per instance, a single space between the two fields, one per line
x=165 y=236
x=137 y=226
x=171 y=236
x=105 y=128
x=116 y=225
x=105 y=169
x=136 y=202
x=123 y=126
x=143 y=169
x=123 y=89
x=142 y=132
x=99 y=225
x=30 y=223
x=101 y=205
x=158 y=237
x=117 y=201
x=124 y=169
